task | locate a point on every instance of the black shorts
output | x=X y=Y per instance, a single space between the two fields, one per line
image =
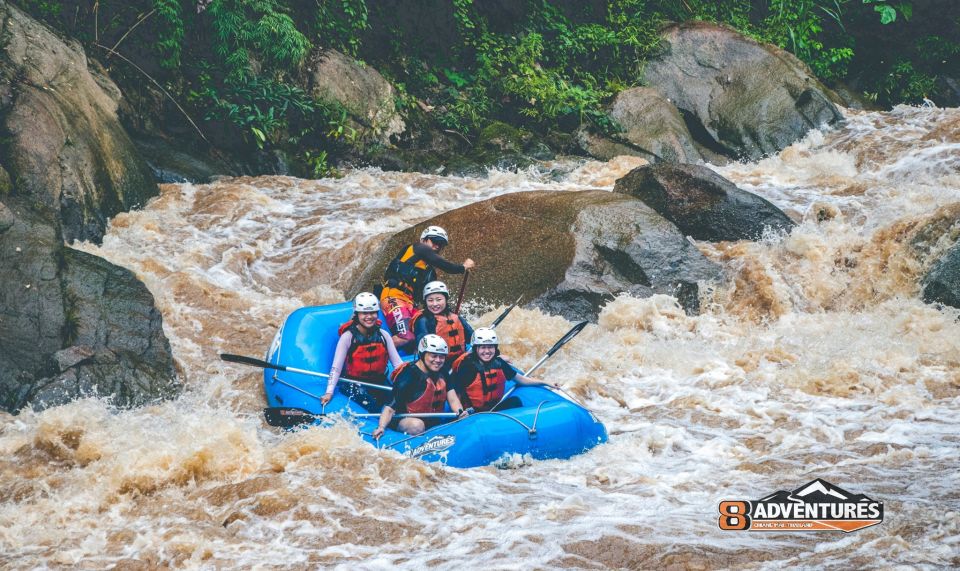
x=372 y=400
x=511 y=402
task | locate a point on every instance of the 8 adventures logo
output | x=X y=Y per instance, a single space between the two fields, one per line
x=435 y=444
x=817 y=506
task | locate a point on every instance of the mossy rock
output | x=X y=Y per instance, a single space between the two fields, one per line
x=6 y=185
x=499 y=136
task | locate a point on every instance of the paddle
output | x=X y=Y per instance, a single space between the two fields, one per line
x=409 y=415
x=556 y=347
x=505 y=313
x=266 y=365
x=288 y=417
x=463 y=287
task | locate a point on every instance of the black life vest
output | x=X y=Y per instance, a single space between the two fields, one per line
x=408 y=273
x=487 y=386
x=367 y=356
x=434 y=395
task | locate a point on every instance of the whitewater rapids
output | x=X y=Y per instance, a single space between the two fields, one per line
x=818 y=360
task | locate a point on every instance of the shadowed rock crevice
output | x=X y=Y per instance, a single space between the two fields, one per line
x=621 y=263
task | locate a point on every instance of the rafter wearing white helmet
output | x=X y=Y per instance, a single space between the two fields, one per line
x=435 y=234
x=366 y=302
x=435 y=287
x=484 y=336
x=432 y=344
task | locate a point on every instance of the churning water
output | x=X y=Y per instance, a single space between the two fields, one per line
x=818 y=360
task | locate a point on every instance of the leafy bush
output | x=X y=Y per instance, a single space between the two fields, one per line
x=541 y=64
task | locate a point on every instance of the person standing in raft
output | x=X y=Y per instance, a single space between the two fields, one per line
x=438 y=319
x=362 y=354
x=419 y=387
x=479 y=377
x=405 y=276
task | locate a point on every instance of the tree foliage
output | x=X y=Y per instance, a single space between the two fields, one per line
x=542 y=64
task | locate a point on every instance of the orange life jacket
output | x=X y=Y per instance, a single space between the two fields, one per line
x=367 y=356
x=433 y=397
x=487 y=386
x=450 y=327
x=408 y=273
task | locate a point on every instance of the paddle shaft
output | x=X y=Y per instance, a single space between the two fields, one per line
x=505 y=313
x=409 y=415
x=463 y=287
x=556 y=347
x=267 y=365
x=290 y=416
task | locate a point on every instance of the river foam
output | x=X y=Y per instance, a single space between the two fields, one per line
x=819 y=360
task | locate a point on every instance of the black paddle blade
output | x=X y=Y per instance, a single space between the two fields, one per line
x=570 y=335
x=288 y=417
x=505 y=313
x=250 y=361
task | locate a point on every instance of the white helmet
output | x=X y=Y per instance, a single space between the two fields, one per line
x=435 y=287
x=366 y=302
x=435 y=233
x=432 y=344
x=484 y=336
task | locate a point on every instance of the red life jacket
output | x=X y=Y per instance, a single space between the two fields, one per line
x=449 y=326
x=433 y=397
x=486 y=388
x=367 y=356
x=451 y=329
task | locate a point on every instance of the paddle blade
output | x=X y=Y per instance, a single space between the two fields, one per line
x=505 y=313
x=250 y=361
x=570 y=335
x=288 y=417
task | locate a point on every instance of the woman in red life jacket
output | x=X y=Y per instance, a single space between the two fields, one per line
x=362 y=354
x=419 y=387
x=411 y=269
x=438 y=319
x=479 y=376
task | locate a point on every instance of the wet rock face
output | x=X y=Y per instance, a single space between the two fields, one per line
x=64 y=145
x=652 y=129
x=942 y=282
x=71 y=324
x=74 y=325
x=369 y=98
x=702 y=203
x=567 y=252
x=740 y=98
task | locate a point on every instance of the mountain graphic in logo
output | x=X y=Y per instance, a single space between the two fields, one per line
x=817 y=491
x=816 y=506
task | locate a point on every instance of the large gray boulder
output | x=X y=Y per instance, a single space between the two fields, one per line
x=739 y=97
x=942 y=282
x=702 y=203
x=566 y=252
x=652 y=129
x=333 y=77
x=71 y=324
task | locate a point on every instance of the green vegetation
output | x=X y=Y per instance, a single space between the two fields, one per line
x=539 y=64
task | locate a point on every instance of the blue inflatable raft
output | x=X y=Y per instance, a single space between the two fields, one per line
x=548 y=425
